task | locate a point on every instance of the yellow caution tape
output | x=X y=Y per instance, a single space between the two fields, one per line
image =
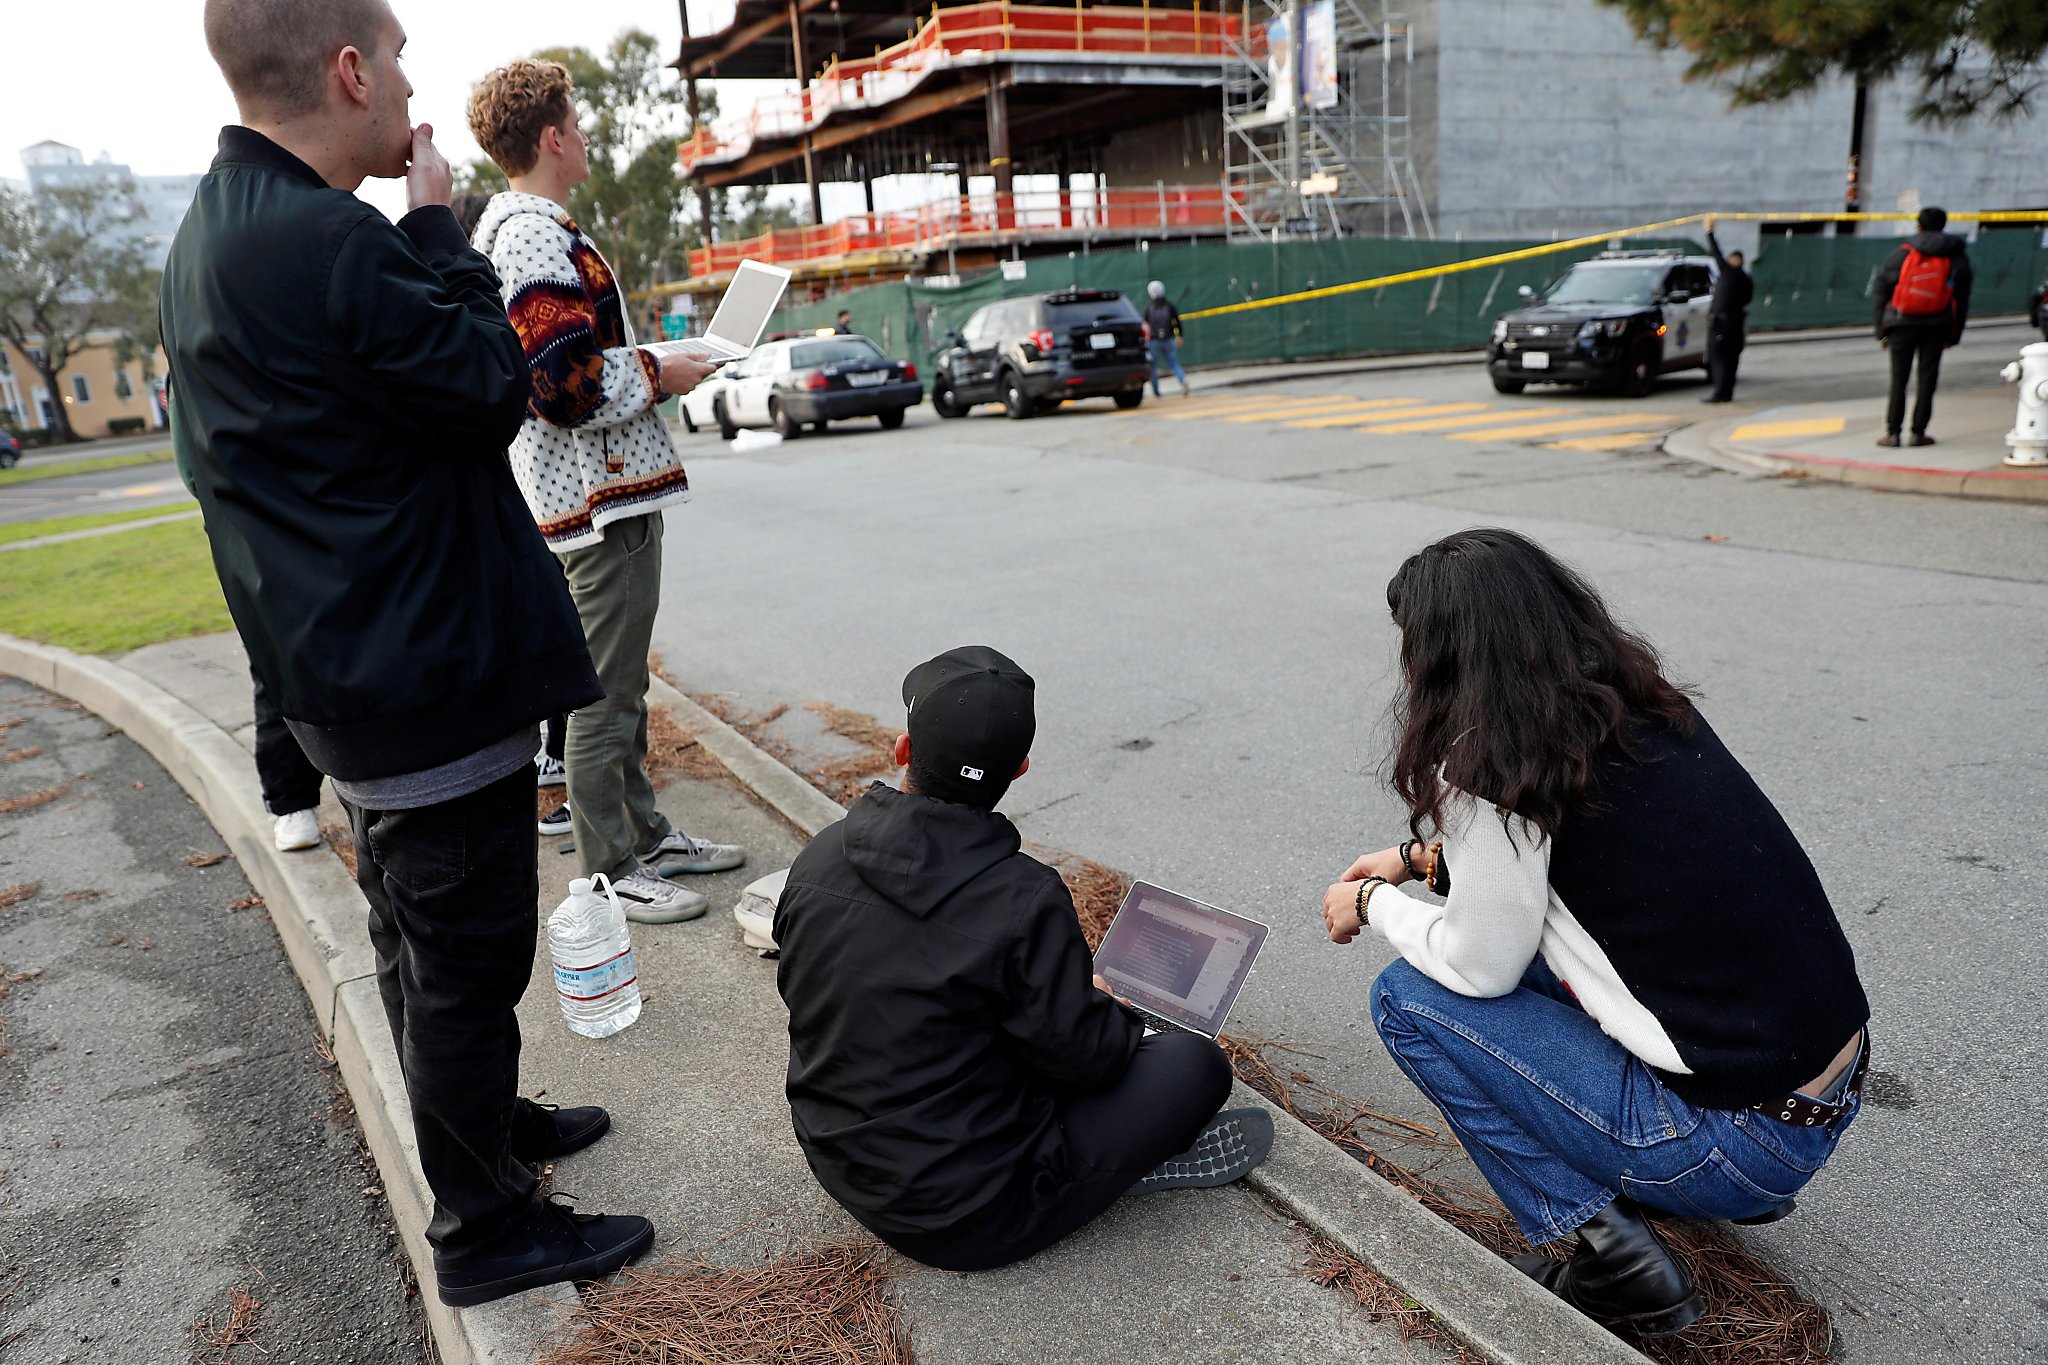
x=1594 y=239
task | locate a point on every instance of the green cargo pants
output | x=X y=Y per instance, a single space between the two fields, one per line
x=617 y=587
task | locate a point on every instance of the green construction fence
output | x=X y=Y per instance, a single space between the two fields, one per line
x=1801 y=282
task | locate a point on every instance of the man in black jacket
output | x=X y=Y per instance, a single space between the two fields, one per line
x=345 y=390
x=1728 y=319
x=958 y=1079
x=1934 y=267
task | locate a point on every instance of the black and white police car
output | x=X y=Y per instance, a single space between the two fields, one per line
x=1616 y=321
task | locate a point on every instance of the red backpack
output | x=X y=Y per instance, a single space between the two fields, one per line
x=1923 y=289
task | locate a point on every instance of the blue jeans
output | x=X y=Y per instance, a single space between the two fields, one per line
x=1167 y=349
x=1560 y=1118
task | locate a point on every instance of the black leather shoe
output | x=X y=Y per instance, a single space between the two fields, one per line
x=1622 y=1275
x=543 y=1132
x=552 y=1245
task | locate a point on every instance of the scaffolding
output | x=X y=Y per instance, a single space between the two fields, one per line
x=1295 y=170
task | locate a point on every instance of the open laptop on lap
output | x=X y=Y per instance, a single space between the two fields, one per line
x=1178 y=962
x=741 y=317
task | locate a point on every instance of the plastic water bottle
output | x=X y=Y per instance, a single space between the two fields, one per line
x=593 y=957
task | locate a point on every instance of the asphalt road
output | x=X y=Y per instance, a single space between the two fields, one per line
x=169 y=1135
x=1202 y=602
x=105 y=490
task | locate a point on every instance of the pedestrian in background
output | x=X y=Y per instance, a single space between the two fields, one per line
x=1923 y=302
x=287 y=778
x=1164 y=321
x=844 y=325
x=598 y=468
x=346 y=387
x=1728 y=319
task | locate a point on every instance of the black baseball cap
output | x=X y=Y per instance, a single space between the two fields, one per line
x=972 y=720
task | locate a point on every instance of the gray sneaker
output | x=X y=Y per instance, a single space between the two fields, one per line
x=679 y=853
x=647 y=899
x=1235 y=1141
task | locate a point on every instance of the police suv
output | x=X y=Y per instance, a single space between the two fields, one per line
x=1616 y=321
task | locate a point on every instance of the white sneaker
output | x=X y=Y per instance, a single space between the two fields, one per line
x=549 y=772
x=299 y=830
x=679 y=853
x=647 y=899
x=755 y=912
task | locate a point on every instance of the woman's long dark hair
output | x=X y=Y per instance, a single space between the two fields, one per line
x=1517 y=680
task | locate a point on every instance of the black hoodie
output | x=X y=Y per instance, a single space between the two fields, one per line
x=1927 y=244
x=940 y=996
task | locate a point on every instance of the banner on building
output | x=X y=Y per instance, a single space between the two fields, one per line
x=1319 y=55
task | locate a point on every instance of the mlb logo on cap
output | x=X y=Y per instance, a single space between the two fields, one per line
x=973 y=773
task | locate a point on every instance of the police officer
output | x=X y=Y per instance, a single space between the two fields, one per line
x=1728 y=325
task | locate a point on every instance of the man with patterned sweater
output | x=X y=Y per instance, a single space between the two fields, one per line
x=597 y=467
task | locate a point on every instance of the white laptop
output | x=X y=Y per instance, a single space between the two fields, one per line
x=741 y=317
x=1178 y=962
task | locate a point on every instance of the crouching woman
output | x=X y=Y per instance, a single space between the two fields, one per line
x=1633 y=995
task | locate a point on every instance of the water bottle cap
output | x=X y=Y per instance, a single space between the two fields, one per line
x=580 y=886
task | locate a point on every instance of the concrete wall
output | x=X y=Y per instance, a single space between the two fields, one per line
x=1555 y=119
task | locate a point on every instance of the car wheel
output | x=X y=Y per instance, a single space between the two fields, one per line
x=726 y=429
x=1129 y=398
x=891 y=418
x=1641 y=375
x=1017 y=403
x=787 y=426
x=1501 y=385
x=944 y=403
x=689 y=424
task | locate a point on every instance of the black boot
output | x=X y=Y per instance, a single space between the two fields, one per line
x=1622 y=1275
x=543 y=1132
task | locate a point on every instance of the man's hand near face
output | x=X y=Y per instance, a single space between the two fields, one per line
x=428 y=178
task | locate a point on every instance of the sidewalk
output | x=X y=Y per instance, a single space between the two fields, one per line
x=1838 y=441
x=701 y=1140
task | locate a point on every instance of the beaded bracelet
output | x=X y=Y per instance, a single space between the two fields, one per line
x=1365 y=896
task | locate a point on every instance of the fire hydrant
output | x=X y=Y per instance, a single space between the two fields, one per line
x=2029 y=435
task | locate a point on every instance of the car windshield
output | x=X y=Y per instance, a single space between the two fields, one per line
x=1082 y=312
x=816 y=355
x=1607 y=284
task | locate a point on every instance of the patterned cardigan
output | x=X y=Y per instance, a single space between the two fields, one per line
x=593 y=448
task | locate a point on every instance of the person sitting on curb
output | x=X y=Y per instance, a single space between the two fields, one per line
x=959 y=1080
x=597 y=467
x=1634 y=994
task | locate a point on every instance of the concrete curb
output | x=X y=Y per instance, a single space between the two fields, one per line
x=319 y=915
x=1476 y=1295
x=1706 y=443
x=321 y=919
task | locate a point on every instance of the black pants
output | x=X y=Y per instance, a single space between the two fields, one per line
x=1111 y=1138
x=1907 y=345
x=1725 y=337
x=289 y=780
x=554 y=735
x=454 y=891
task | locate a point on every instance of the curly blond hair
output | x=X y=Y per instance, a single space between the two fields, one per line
x=509 y=109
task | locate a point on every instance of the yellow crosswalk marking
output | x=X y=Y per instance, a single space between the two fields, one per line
x=1206 y=407
x=1773 y=431
x=1558 y=428
x=1365 y=412
x=1497 y=416
x=1618 y=441
x=1466 y=409
x=1303 y=408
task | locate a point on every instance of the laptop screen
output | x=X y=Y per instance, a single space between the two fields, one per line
x=1177 y=957
x=743 y=312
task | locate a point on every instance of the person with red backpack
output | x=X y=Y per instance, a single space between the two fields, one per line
x=1923 y=300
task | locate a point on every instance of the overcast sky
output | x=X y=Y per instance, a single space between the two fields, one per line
x=132 y=78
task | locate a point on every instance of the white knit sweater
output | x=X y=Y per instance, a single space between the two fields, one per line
x=1500 y=913
x=593 y=448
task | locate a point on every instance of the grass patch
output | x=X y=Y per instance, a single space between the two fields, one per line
x=12 y=531
x=114 y=593
x=30 y=472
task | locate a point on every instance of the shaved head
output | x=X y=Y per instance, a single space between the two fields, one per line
x=275 y=54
